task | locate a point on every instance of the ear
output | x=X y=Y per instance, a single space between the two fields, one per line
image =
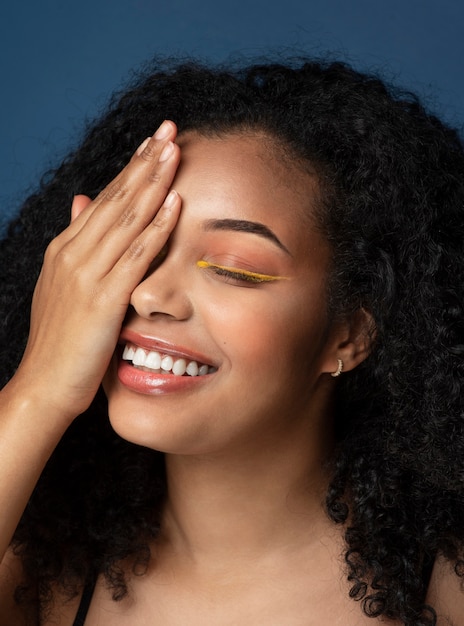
x=352 y=341
x=78 y=205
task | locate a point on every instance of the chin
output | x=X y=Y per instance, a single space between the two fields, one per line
x=157 y=428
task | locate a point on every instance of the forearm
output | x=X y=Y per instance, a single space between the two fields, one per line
x=28 y=435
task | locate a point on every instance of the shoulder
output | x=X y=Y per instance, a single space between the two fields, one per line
x=11 y=575
x=446 y=594
x=61 y=612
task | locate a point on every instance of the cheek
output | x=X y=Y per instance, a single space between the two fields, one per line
x=243 y=326
x=278 y=333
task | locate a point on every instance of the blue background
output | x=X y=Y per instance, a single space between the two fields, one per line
x=60 y=60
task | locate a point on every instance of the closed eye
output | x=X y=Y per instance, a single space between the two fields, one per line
x=234 y=273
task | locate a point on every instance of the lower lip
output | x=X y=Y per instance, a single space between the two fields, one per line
x=152 y=383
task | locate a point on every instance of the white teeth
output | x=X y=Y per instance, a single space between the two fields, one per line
x=128 y=353
x=153 y=360
x=192 y=368
x=139 y=357
x=179 y=367
x=164 y=363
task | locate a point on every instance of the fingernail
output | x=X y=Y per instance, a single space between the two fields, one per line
x=163 y=131
x=167 y=151
x=170 y=199
x=142 y=146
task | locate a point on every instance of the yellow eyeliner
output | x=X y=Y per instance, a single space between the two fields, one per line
x=252 y=276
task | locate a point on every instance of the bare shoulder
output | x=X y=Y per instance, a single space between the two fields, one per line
x=61 y=612
x=10 y=577
x=446 y=594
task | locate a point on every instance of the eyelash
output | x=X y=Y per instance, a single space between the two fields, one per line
x=240 y=275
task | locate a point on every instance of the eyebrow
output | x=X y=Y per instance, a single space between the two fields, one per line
x=245 y=226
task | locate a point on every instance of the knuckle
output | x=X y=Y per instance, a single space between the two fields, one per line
x=154 y=177
x=116 y=191
x=136 y=250
x=57 y=243
x=165 y=219
x=65 y=257
x=128 y=217
x=52 y=250
x=80 y=278
x=161 y=221
x=148 y=153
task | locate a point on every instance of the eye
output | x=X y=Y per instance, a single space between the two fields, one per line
x=237 y=275
x=241 y=276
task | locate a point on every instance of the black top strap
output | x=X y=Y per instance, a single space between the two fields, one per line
x=85 y=603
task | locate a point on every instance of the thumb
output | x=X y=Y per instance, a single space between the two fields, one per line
x=78 y=205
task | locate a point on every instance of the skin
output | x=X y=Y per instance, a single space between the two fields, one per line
x=245 y=538
x=84 y=291
x=445 y=594
x=240 y=328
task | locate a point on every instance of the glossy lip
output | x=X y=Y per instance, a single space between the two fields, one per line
x=163 y=347
x=153 y=383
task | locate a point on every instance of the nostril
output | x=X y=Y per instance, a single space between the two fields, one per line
x=153 y=298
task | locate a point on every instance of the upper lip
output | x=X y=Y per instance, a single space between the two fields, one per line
x=163 y=347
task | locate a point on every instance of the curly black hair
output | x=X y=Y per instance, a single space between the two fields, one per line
x=392 y=208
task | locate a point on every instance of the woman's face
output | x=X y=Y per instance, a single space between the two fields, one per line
x=240 y=288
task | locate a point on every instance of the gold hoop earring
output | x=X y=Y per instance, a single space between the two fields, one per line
x=339 y=369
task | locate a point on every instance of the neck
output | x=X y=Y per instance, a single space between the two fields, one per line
x=244 y=503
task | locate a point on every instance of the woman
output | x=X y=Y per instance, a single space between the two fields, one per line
x=270 y=292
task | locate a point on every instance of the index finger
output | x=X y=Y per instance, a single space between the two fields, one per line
x=126 y=184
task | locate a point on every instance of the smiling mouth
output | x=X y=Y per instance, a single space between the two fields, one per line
x=159 y=363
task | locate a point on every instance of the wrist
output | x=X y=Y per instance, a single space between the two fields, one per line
x=25 y=404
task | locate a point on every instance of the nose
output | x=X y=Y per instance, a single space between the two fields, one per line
x=162 y=292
